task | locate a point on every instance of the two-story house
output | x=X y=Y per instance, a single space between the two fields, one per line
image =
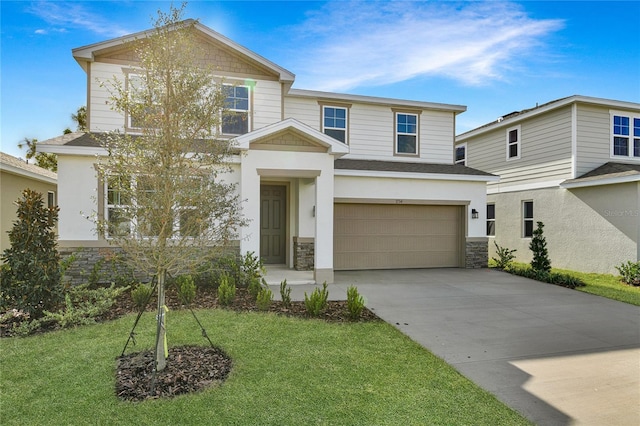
x=329 y=181
x=573 y=164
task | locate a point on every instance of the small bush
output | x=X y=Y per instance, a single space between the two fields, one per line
x=264 y=299
x=538 y=246
x=630 y=273
x=255 y=286
x=355 y=302
x=141 y=295
x=186 y=288
x=556 y=278
x=251 y=268
x=83 y=305
x=226 y=290
x=317 y=302
x=285 y=294
x=505 y=257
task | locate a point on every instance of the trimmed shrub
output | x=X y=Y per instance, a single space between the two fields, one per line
x=186 y=288
x=556 y=278
x=317 y=302
x=538 y=246
x=226 y=290
x=141 y=295
x=355 y=302
x=285 y=294
x=264 y=299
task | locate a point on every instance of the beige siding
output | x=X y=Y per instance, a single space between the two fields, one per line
x=103 y=119
x=305 y=110
x=267 y=105
x=545 y=151
x=594 y=137
x=388 y=236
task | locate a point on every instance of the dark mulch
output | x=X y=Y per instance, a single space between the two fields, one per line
x=189 y=369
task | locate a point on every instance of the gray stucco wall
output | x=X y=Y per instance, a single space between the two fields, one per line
x=587 y=229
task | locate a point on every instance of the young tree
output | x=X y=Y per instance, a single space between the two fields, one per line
x=538 y=246
x=170 y=204
x=32 y=281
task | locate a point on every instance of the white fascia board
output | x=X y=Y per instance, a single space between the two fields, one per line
x=499 y=189
x=599 y=182
x=545 y=108
x=409 y=175
x=72 y=150
x=27 y=173
x=300 y=93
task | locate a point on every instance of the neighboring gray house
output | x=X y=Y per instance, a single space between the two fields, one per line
x=573 y=164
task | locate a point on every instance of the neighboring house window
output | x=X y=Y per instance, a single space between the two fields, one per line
x=491 y=220
x=51 y=199
x=235 y=121
x=513 y=143
x=461 y=154
x=406 y=133
x=527 y=219
x=626 y=136
x=334 y=122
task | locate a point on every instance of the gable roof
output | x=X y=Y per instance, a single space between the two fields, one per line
x=291 y=124
x=16 y=166
x=512 y=118
x=607 y=174
x=88 y=53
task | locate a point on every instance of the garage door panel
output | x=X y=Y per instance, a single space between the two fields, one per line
x=375 y=236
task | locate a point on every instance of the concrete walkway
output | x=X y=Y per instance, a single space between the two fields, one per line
x=558 y=356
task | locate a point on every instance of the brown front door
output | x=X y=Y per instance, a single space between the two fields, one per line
x=273 y=223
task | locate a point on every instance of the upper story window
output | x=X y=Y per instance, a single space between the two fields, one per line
x=141 y=109
x=625 y=141
x=334 y=122
x=491 y=220
x=406 y=134
x=514 y=137
x=461 y=154
x=235 y=121
x=527 y=219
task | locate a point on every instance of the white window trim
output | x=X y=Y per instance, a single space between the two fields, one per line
x=396 y=134
x=492 y=220
x=247 y=111
x=631 y=117
x=518 y=143
x=455 y=155
x=524 y=219
x=346 y=123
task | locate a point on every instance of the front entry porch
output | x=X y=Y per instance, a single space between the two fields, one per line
x=275 y=274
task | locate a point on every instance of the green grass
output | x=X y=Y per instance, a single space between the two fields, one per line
x=286 y=371
x=606 y=285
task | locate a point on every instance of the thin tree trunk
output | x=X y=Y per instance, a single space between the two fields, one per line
x=161 y=359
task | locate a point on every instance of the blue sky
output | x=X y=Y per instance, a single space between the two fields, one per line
x=494 y=57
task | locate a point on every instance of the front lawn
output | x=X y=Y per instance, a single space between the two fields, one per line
x=286 y=371
x=606 y=285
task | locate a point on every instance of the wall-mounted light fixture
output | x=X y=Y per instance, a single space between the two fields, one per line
x=474 y=214
x=313 y=212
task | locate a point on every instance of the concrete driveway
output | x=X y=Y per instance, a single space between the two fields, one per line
x=557 y=356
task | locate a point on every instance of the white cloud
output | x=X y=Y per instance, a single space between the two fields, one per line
x=65 y=14
x=371 y=43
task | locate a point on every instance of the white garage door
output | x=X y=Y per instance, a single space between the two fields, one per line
x=393 y=236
